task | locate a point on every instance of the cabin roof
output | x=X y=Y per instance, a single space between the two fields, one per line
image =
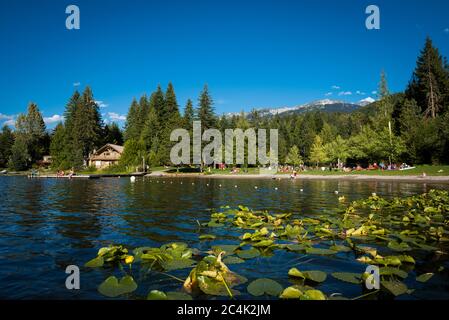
x=117 y=148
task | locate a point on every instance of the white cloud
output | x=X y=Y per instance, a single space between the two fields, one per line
x=446 y=30
x=328 y=94
x=345 y=93
x=10 y=123
x=5 y=117
x=53 y=119
x=116 y=117
x=360 y=93
x=101 y=104
x=335 y=87
x=374 y=92
x=76 y=84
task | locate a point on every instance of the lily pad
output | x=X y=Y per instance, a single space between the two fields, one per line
x=112 y=287
x=354 y=278
x=159 y=295
x=207 y=237
x=313 y=295
x=388 y=271
x=395 y=287
x=320 y=251
x=233 y=260
x=248 y=254
x=315 y=276
x=95 y=262
x=424 y=277
x=264 y=286
x=291 y=293
x=177 y=264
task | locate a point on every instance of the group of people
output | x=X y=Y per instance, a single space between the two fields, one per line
x=61 y=173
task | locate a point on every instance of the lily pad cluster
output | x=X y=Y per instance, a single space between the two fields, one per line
x=392 y=234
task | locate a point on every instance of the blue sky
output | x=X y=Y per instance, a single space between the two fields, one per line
x=250 y=53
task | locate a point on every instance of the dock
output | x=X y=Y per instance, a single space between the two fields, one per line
x=81 y=176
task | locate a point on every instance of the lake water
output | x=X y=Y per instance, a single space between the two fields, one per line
x=48 y=224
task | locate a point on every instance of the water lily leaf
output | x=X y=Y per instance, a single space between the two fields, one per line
x=112 y=287
x=248 y=254
x=178 y=296
x=176 y=264
x=296 y=247
x=233 y=260
x=394 y=245
x=407 y=259
x=214 y=224
x=291 y=293
x=320 y=251
x=395 y=287
x=340 y=248
x=212 y=287
x=263 y=243
x=95 y=262
x=354 y=278
x=264 y=286
x=207 y=237
x=293 y=272
x=227 y=248
x=388 y=271
x=157 y=295
x=424 y=277
x=313 y=295
x=316 y=276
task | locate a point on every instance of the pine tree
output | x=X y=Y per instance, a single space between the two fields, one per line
x=188 y=115
x=35 y=133
x=58 y=148
x=205 y=111
x=6 y=143
x=132 y=126
x=112 y=134
x=157 y=102
x=429 y=86
x=20 y=159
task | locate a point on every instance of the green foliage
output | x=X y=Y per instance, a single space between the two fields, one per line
x=293 y=157
x=6 y=143
x=318 y=152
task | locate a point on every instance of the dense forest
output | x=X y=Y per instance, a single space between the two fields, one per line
x=411 y=126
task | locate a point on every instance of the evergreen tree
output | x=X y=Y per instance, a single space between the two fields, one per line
x=188 y=115
x=132 y=126
x=113 y=134
x=58 y=149
x=20 y=159
x=205 y=111
x=6 y=143
x=429 y=85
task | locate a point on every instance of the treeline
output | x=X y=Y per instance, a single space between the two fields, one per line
x=411 y=127
x=69 y=144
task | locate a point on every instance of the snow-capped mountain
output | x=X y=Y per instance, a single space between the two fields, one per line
x=325 y=105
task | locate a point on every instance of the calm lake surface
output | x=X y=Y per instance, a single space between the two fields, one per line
x=48 y=224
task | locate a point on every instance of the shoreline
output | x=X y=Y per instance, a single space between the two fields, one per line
x=428 y=179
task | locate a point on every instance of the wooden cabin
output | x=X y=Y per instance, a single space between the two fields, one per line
x=106 y=156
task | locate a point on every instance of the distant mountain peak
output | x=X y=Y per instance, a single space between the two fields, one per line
x=366 y=101
x=326 y=105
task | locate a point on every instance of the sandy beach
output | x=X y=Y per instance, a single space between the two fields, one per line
x=428 y=179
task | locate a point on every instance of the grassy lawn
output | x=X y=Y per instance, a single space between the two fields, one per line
x=419 y=170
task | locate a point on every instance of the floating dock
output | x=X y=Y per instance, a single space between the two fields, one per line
x=81 y=176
